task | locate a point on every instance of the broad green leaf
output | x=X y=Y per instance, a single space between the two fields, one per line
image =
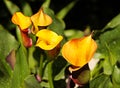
x=113 y=23
x=11 y=6
x=101 y=81
x=64 y=11
x=108 y=46
x=31 y=82
x=7 y=43
x=116 y=76
x=21 y=70
x=57 y=25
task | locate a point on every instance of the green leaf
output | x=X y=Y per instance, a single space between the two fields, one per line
x=63 y=12
x=4 y=81
x=21 y=70
x=11 y=6
x=59 y=67
x=31 y=82
x=27 y=9
x=46 y=3
x=7 y=43
x=113 y=23
x=116 y=76
x=31 y=60
x=57 y=25
x=108 y=46
x=73 y=33
x=107 y=67
x=101 y=81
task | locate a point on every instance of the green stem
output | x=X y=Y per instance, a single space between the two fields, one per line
x=50 y=79
x=18 y=33
x=41 y=65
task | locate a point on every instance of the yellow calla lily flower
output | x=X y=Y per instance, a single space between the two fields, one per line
x=79 y=51
x=47 y=39
x=22 y=21
x=40 y=19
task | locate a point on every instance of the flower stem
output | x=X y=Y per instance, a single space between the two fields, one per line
x=18 y=33
x=50 y=79
x=41 y=65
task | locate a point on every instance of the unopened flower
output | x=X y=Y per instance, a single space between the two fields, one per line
x=40 y=19
x=23 y=22
x=47 y=39
x=79 y=51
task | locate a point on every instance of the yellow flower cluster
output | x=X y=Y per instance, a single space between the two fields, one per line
x=78 y=52
x=47 y=39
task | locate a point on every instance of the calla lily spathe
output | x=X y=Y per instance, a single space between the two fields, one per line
x=40 y=19
x=24 y=23
x=47 y=39
x=21 y=20
x=79 y=51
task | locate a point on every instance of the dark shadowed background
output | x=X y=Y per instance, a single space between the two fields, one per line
x=93 y=13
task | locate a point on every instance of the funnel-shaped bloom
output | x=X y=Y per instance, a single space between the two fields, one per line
x=22 y=21
x=40 y=19
x=47 y=39
x=79 y=51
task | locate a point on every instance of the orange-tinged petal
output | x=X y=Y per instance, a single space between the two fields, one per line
x=23 y=21
x=47 y=39
x=79 y=51
x=41 y=19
